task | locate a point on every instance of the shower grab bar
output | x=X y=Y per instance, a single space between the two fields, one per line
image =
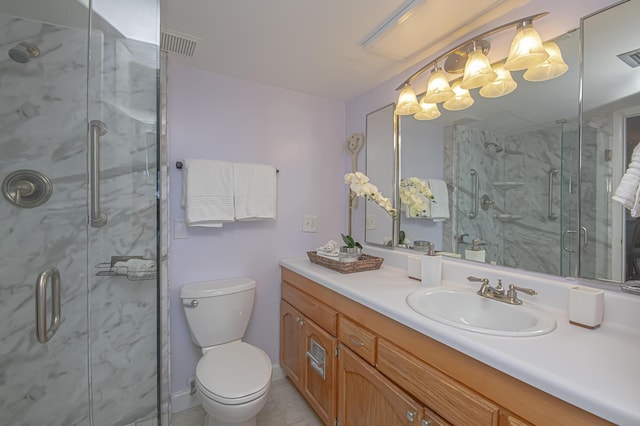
x=97 y=129
x=550 y=214
x=475 y=190
x=43 y=333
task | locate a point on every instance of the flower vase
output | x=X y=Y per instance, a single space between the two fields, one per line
x=349 y=254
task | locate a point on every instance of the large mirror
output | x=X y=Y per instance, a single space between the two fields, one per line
x=524 y=176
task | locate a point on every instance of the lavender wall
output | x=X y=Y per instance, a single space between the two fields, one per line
x=217 y=117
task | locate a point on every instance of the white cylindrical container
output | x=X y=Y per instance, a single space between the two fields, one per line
x=477 y=255
x=431 y=270
x=586 y=306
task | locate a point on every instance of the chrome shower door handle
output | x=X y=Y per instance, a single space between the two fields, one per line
x=96 y=129
x=475 y=190
x=43 y=333
x=550 y=214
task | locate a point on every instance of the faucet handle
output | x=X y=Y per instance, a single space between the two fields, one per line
x=477 y=280
x=512 y=294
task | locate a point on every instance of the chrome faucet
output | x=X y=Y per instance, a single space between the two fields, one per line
x=498 y=293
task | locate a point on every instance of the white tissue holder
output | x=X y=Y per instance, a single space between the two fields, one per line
x=586 y=306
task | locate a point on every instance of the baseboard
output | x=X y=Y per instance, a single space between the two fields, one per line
x=181 y=400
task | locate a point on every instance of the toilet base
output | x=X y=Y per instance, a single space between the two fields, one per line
x=210 y=421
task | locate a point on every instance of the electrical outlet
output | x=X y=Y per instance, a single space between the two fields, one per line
x=310 y=223
x=371 y=222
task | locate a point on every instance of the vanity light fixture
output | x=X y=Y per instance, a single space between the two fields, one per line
x=438 y=89
x=502 y=85
x=461 y=100
x=477 y=71
x=553 y=67
x=407 y=101
x=543 y=62
x=428 y=111
x=526 y=48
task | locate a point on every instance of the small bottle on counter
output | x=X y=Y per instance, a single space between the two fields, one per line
x=431 y=267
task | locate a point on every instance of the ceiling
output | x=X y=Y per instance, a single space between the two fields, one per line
x=316 y=47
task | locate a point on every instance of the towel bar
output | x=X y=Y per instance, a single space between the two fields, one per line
x=179 y=166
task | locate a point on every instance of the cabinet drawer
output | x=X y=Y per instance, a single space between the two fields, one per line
x=317 y=312
x=451 y=400
x=358 y=339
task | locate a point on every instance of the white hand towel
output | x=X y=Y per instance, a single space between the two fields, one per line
x=439 y=209
x=255 y=191
x=208 y=187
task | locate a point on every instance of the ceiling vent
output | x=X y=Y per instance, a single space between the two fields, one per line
x=175 y=42
x=631 y=58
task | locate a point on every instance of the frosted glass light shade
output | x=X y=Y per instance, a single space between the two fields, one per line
x=438 y=89
x=461 y=100
x=502 y=85
x=526 y=49
x=477 y=71
x=549 y=69
x=407 y=101
x=428 y=111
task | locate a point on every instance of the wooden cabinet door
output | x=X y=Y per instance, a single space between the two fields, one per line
x=291 y=343
x=369 y=399
x=319 y=371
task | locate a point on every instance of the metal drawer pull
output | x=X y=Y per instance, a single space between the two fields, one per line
x=42 y=333
x=411 y=415
x=356 y=341
x=426 y=422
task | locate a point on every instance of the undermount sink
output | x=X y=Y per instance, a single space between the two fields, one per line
x=472 y=312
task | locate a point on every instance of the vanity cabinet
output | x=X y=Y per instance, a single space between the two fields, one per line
x=308 y=351
x=369 y=398
x=388 y=373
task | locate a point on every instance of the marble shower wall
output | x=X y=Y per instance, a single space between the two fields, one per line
x=516 y=227
x=43 y=117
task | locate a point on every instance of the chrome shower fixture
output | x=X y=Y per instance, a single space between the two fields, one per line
x=23 y=52
x=497 y=147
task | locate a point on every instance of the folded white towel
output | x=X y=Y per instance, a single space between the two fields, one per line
x=135 y=269
x=330 y=247
x=255 y=191
x=208 y=192
x=329 y=255
x=439 y=211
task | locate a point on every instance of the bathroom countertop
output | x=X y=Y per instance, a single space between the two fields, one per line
x=596 y=370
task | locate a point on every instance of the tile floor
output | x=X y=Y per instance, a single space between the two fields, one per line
x=284 y=407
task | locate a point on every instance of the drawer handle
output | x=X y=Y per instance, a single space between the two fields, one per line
x=411 y=415
x=356 y=341
x=426 y=422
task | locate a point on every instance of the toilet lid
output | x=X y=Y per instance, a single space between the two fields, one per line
x=231 y=372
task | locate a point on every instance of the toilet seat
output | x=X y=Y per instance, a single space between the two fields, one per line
x=234 y=373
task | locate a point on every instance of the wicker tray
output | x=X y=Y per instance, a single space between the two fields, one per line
x=365 y=263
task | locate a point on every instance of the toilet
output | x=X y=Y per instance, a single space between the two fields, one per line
x=232 y=377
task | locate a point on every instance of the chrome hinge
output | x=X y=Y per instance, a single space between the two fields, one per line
x=336 y=422
x=337 y=351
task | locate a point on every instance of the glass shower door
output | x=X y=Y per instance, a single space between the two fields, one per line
x=43 y=224
x=79 y=213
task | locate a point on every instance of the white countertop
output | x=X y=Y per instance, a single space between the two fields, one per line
x=596 y=370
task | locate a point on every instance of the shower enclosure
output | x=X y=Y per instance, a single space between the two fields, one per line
x=79 y=314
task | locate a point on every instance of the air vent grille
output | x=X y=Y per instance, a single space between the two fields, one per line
x=175 y=42
x=631 y=58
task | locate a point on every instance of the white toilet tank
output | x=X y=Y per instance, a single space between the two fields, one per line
x=218 y=311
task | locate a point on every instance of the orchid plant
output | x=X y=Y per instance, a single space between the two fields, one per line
x=413 y=194
x=361 y=187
